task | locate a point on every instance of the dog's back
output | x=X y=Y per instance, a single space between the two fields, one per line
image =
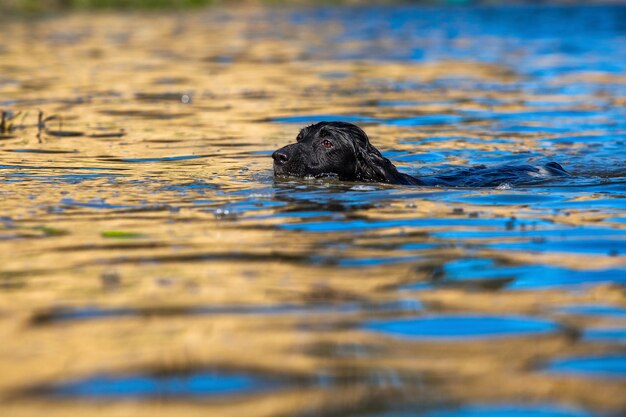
x=483 y=176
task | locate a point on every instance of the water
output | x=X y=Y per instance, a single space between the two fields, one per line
x=200 y=384
x=142 y=229
x=460 y=328
x=489 y=410
x=60 y=315
x=594 y=309
x=613 y=366
x=510 y=411
x=615 y=335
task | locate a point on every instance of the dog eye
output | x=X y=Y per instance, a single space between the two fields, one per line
x=327 y=144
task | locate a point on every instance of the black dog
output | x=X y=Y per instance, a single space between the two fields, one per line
x=342 y=150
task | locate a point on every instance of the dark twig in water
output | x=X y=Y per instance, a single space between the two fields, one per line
x=40 y=125
x=7 y=125
x=23 y=119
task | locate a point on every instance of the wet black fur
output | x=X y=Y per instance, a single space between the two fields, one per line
x=353 y=158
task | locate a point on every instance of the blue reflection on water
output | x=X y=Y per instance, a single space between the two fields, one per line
x=522 y=276
x=322 y=117
x=210 y=383
x=461 y=327
x=594 y=309
x=511 y=410
x=524 y=37
x=162 y=159
x=364 y=225
x=613 y=366
x=606 y=246
x=612 y=335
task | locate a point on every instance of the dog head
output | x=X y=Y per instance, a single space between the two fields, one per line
x=335 y=149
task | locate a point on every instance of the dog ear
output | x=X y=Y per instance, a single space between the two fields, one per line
x=371 y=166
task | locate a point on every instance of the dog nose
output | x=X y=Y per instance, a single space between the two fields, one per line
x=280 y=157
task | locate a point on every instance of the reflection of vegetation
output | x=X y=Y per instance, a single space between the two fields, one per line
x=120 y=234
x=48 y=5
x=52 y=231
x=21 y=6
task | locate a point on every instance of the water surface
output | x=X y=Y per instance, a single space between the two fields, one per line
x=142 y=229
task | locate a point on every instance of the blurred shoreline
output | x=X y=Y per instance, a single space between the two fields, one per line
x=26 y=8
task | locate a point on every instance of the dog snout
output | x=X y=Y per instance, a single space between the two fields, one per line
x=281 y=156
